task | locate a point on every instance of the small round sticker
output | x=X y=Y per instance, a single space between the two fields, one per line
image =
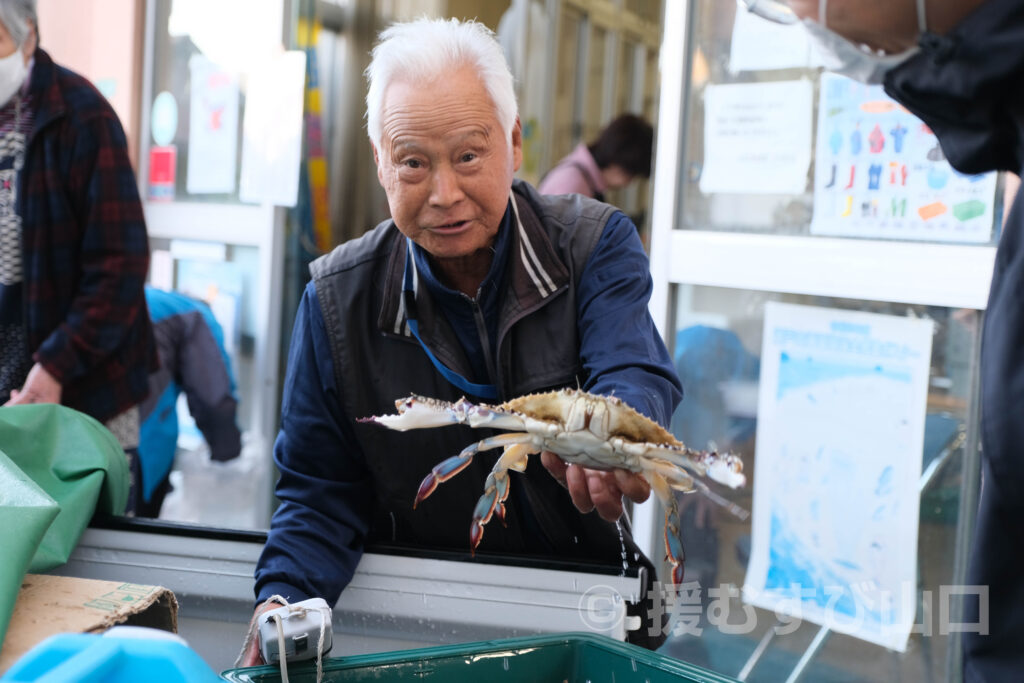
x=164 y=119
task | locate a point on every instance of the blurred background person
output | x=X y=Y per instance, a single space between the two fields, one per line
x=73 y=246
x=192 y=359
x=621 y=152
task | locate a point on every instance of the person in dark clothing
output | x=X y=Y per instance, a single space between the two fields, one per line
x=478 y=286
x=192 y=360
x=621 y=152
x=73 y=248
x=959 y=66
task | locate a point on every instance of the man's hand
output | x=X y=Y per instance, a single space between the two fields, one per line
x=252 y=656
x=40 y=387
x=596 y=489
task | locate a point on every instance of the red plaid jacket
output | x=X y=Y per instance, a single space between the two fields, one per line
x=84 y=248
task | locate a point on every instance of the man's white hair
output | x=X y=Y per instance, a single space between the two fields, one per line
x=424 y=50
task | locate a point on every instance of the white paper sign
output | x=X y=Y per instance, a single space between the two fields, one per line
x=272 y=132
x=880 y=172
x=757 y=138
x=840 y=435
x=213 y=128
x=761 y=45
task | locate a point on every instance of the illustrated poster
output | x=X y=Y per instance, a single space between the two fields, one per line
x=880 y=172
x=840 y=432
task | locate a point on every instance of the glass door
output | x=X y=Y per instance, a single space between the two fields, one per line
x=212 y=236
x=820 y=277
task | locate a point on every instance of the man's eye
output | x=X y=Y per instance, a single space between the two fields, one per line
x=412 y=163
x=468 y=156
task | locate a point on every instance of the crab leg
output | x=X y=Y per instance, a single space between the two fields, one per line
x=674 y=552
x=496 y=489
x=455 y=464
x=681 y=481
x=725 y=468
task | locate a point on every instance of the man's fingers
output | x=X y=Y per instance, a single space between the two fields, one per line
x=252 y=656
x=555 y=465
x=632 y=485
x=579 y=491
x=595 y=489
x=605 y=494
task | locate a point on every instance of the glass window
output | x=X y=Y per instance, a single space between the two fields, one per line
x=716 y=343
x=775 y=145
x=202 y=56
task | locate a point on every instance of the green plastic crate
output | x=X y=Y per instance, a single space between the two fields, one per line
x=568 y=657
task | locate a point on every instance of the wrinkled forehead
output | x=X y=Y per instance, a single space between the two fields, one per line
x=443 y=107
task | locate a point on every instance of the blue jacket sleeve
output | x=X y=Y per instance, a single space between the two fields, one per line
x=622 y=351
x=325 y=491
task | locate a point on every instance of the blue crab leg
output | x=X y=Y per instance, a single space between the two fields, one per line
x=455 y=464
x=496 y=489
x=674 y=552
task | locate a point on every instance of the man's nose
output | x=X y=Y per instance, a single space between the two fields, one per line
x=446 y=189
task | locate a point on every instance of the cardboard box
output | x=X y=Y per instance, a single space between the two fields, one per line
x=48 y=605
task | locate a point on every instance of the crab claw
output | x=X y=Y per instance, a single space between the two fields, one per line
x=419 y=412
x=727 y=469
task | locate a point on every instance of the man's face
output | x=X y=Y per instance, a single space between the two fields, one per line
x=446 y=164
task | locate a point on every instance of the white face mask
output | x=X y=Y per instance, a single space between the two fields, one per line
x=12 y=74
x=858 y=62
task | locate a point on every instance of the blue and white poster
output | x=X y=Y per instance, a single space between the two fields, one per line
x=840 y=433
x=880 y=172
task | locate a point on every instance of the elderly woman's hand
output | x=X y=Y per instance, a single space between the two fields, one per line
x=597 y=489
x=40 y=387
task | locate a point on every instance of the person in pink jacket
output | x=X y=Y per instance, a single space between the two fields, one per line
x=619 y=154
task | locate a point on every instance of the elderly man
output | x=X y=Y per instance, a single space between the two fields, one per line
x=478 y=286
x=959 y=66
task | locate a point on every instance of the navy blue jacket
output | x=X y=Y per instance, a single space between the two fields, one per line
x=316 y=539
x=969 y=88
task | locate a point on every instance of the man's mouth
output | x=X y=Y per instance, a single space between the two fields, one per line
x=456 y=225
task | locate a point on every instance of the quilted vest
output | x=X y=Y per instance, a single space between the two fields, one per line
x=376 y=361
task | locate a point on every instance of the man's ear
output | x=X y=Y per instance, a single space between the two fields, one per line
x=376 y=161
x=517 y=145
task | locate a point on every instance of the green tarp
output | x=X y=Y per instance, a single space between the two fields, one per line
x=57 y=467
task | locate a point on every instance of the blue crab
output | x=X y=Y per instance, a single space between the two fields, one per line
x=599 y=432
